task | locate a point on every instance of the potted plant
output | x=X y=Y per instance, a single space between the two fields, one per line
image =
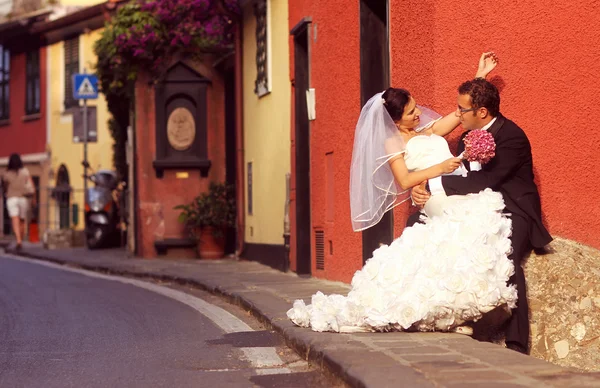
x=207 y=218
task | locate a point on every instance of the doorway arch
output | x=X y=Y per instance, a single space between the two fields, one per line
x=62 y=195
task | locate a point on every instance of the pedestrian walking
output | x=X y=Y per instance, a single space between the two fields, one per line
x=18 y=188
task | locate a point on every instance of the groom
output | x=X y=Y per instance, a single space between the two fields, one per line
x=510 y=172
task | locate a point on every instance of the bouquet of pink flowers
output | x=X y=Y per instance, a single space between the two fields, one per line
x=479 y=146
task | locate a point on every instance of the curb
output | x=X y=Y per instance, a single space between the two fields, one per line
x=297 y=339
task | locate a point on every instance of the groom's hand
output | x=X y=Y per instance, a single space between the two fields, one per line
x=420 y=195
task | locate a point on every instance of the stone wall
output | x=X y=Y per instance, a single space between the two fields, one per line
x=563 y=287
x=564 y=299
x=63 y=238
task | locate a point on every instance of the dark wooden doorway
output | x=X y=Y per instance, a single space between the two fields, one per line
x=62 y=195
x=302 y=147
x=230 y=148
x=374 y=78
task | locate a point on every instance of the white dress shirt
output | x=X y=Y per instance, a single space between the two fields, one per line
x=435 y=184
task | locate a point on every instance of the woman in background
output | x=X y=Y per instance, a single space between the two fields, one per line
x=17 y=185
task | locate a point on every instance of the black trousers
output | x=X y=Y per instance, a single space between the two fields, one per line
x=413 y=219
x=517 y=330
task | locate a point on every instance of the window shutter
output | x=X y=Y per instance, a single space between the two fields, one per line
x=261 y=85
x=4 y=83
x=71 y=67
x=32 y=91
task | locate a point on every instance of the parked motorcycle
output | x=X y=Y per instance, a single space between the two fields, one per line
x=102 y=210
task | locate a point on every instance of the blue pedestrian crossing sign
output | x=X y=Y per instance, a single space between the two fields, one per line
x=85 y=87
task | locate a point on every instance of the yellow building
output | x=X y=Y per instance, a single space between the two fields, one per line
x=266 y=123
x=70 y=50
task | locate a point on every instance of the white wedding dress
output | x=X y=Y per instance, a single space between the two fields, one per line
x=436 y=275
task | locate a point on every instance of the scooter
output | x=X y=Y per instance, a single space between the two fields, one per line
x=102 y=215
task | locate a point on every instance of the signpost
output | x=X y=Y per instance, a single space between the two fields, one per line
x=85 y=87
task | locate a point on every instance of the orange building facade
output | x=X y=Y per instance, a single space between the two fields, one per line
x=164 y=178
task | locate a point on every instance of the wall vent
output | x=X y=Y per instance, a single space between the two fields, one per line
x=320 y=249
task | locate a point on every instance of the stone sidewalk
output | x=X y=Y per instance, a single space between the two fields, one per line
x=361 y=360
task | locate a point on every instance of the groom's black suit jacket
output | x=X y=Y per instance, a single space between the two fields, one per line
x=510 y=172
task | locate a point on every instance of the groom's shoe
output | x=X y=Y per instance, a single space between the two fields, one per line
x=466 y=330
x=516 y=347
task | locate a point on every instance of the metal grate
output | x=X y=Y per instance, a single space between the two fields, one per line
x=261 y=86
x=320 y=248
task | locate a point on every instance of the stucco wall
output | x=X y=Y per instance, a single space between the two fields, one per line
x=87 y=3
x=335 y=75
x=546 y=76
x=5 y=6
x=548 y=64
x=267 y=127
x=60 y=124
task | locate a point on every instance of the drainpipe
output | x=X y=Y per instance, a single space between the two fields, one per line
x=239 y=140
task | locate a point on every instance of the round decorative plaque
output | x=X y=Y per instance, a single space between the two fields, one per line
x=181 y=129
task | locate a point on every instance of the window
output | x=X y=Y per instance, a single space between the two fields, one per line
x=32 y=83
x=261 y=85
x=4 y=83
x=71 y=67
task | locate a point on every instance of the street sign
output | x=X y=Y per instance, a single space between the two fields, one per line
x=78 y=127
x=85 y=87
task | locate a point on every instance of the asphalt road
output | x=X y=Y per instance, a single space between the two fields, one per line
x=78 y=329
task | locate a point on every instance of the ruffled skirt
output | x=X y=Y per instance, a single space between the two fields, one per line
x=437 y=275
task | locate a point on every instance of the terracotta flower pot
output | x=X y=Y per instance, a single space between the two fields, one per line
x=209 y=246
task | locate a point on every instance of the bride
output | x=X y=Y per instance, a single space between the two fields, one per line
x=450 y=269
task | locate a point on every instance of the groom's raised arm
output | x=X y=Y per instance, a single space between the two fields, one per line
x=510 y=155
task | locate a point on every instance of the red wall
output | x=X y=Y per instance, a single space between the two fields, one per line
x=335 y=76
x=24 y=137
x=547 y=78
x=157 y=197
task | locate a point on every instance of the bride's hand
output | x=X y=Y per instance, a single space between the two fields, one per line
x=449 y=165
x=487 y=63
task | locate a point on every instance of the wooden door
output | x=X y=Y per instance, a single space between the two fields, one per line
x=374 y=78
x=302 y=148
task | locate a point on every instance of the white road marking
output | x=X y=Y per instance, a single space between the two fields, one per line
x=259 y=357
x=273 y=371
x=259 y=372
x=262 y=357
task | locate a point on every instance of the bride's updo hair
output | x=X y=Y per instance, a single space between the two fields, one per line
x=395 y=101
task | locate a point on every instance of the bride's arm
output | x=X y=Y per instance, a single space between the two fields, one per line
x=487 y=63
x=407 y=179
x=445 y=125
